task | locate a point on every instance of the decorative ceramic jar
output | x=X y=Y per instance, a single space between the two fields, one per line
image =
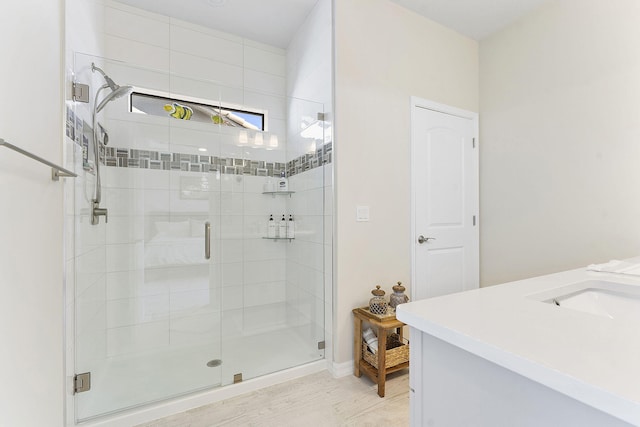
x=398 y=296
x=377 y=304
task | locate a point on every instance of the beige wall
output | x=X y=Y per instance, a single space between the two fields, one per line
x=560 y=139
x=31 y=258
x=384 y=55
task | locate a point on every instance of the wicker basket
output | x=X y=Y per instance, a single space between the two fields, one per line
x=397 y=352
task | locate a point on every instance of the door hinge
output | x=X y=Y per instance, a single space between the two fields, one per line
x=321 y=117
x=321 y=345
x=474 y=220
x=82 y=383
x=80 y=92
x=473 y=142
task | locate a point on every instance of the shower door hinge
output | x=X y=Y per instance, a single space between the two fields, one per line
x=80 y=92
x=82 y=383
x=321 y=345
x=473 y=142
x=321 y=117
x=474 y=220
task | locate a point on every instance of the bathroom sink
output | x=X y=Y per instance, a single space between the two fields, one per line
x=602 y=298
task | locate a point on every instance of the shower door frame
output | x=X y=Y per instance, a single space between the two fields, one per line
x=312 y=365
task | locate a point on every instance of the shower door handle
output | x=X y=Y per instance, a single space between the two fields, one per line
x=207 y=240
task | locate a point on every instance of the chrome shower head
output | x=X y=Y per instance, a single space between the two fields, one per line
x=116 y=90
x=116 y=93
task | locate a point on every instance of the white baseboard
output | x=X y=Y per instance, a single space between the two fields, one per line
x=343 y=369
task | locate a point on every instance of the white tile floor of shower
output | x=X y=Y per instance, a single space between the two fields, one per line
x=317 y=400
x=127 y=382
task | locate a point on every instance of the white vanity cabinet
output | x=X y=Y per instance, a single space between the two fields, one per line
x=501 y=356
x=453 y=387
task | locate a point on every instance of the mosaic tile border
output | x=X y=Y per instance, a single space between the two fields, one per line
x=163 y=160
x=322 y=156
x=79 y=131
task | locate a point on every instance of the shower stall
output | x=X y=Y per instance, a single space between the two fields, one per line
x=178 y=286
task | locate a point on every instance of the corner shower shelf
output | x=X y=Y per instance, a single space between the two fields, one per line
x=280 y=238
x=273 y=193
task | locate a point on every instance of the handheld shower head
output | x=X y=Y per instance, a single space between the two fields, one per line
x=116 y=92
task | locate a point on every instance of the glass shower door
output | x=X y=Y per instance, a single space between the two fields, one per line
x=147 y=299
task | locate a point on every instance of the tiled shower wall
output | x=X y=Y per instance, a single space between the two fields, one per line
x=246 y=72
x=123 y=307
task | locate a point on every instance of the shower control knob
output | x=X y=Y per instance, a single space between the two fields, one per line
x=97 y=212
x=422 y=239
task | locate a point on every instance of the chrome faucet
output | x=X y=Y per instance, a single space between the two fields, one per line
x=97 y=212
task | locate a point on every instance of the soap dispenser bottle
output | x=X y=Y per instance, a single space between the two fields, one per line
x=283 y=182
x=282 y=228
x=291 y=228
x=271 y=228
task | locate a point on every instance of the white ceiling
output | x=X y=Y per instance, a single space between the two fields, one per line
x=273 y=22
x=473 y=18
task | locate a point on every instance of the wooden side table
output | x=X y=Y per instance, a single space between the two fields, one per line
x=382 y=324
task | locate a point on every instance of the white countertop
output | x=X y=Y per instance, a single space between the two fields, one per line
x=593 y=359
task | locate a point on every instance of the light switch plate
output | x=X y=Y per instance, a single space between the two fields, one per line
x=362 y=213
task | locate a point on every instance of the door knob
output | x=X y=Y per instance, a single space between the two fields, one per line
x=422 y=239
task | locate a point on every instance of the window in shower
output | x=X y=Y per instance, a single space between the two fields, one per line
x=185 y=108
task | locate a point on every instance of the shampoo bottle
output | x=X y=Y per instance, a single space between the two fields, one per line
x=283 y=182
x=282 y=228
x=271 y=228
x=291 y=228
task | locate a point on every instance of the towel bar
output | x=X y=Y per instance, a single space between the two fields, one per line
x=56 y=171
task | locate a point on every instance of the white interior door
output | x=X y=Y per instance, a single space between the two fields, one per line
x=445 y=248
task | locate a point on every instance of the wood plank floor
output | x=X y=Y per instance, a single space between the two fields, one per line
x=314 y=400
